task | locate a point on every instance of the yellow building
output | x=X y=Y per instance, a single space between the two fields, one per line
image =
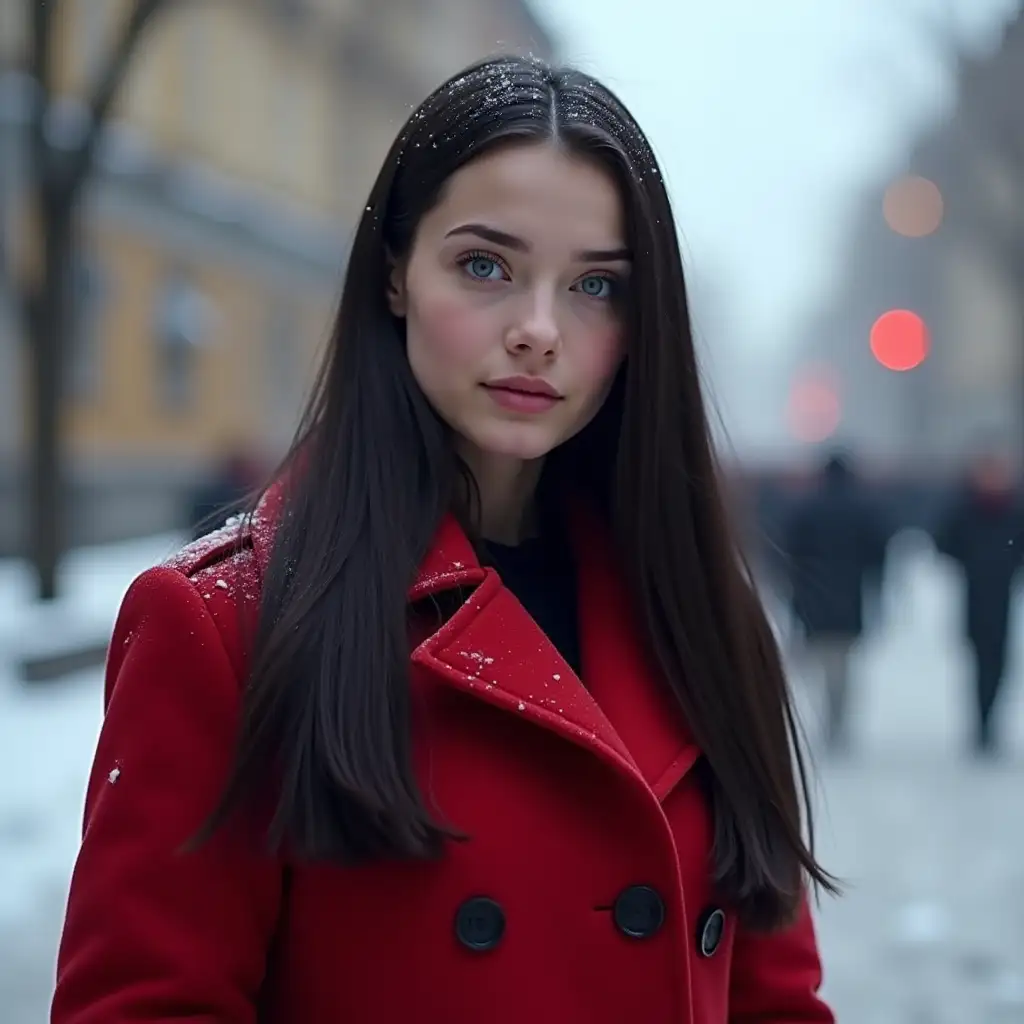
x=242 y=148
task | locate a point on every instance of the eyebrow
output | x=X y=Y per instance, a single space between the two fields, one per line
x=503 y=238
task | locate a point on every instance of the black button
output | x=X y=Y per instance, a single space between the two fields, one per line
x=639 y=912
x=710 y=930
x=479 y=924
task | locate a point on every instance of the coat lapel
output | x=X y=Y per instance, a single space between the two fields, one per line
x=492 y=649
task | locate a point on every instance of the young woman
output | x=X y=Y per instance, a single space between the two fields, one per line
x=477 y=716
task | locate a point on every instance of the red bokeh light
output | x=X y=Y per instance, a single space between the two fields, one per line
x=814 y=410
x=899 y=340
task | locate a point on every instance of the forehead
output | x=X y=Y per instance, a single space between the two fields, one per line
x=538 y=192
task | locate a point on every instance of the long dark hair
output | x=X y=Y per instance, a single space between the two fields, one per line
x=327 y=707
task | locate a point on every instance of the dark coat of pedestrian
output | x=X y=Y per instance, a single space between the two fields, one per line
x=835 y=543
x=982 y=531
x=223 y=494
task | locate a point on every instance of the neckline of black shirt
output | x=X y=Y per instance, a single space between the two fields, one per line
x=541 y=573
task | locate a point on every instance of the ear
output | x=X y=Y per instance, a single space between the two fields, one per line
x=396 y=289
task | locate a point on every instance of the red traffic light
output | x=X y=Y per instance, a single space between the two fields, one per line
x=900 y=340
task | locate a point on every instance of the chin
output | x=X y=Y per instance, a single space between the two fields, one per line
x=515 y=441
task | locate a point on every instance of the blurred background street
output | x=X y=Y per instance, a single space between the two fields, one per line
x=178 y=184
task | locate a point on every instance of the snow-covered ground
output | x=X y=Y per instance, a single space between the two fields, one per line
x=93 y=581
x=47 y=730
x=932 y=845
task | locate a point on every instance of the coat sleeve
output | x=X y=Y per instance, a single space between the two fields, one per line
x=153 y=933
x=776 y=976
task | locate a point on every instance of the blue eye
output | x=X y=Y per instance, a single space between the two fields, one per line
x=484 y=269
x=596 y=286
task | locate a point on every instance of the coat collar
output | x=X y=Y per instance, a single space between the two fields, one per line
x=492 y=649
x=451 y=561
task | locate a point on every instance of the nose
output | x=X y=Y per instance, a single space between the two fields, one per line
x=536 y=331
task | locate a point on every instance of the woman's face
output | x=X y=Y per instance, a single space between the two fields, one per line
x=512 y=296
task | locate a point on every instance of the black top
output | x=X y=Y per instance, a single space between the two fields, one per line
x=541 y=574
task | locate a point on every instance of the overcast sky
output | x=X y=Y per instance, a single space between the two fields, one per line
x=768 y=115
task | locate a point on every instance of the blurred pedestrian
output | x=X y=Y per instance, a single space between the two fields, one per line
x=234 y=479
x=982 y=531
x=491 y=717
x=835 y=544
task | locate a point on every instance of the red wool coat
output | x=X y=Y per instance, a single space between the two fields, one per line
x=582 y=894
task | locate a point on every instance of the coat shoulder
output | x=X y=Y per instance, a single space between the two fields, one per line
x=223 y=570
x=223 y=559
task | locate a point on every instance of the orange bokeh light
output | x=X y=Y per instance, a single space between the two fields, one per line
x=913 y=206
x=899 y=340
x=814 y=410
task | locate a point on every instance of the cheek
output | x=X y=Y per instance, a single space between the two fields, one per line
x=600 y=356
x=444 y=333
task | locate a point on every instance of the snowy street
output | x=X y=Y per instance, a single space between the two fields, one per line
x=930 y=843
x=931 y=928
x=47 y=734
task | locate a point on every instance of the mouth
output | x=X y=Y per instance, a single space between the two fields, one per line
x=523 y=395
x=525 y=386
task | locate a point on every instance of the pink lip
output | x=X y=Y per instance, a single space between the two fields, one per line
x=523 y=394
x=529 y=385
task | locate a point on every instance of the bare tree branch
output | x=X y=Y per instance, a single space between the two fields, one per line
x=105 y=89
x=57 y=178
x=44 y=14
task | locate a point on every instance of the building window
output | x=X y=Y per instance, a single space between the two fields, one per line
x=196 y=94
x=182 y=329
x=13 y=33
x=94 y=34
x=288 y=117
x=285 y=373
x=90 y=297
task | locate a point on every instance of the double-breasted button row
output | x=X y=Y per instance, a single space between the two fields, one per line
x=638 y=913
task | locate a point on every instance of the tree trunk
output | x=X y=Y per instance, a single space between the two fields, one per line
x=59 y=177
x=49 y=319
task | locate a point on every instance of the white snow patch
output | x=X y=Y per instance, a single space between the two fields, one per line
x=48 y=734
x=93 y=582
